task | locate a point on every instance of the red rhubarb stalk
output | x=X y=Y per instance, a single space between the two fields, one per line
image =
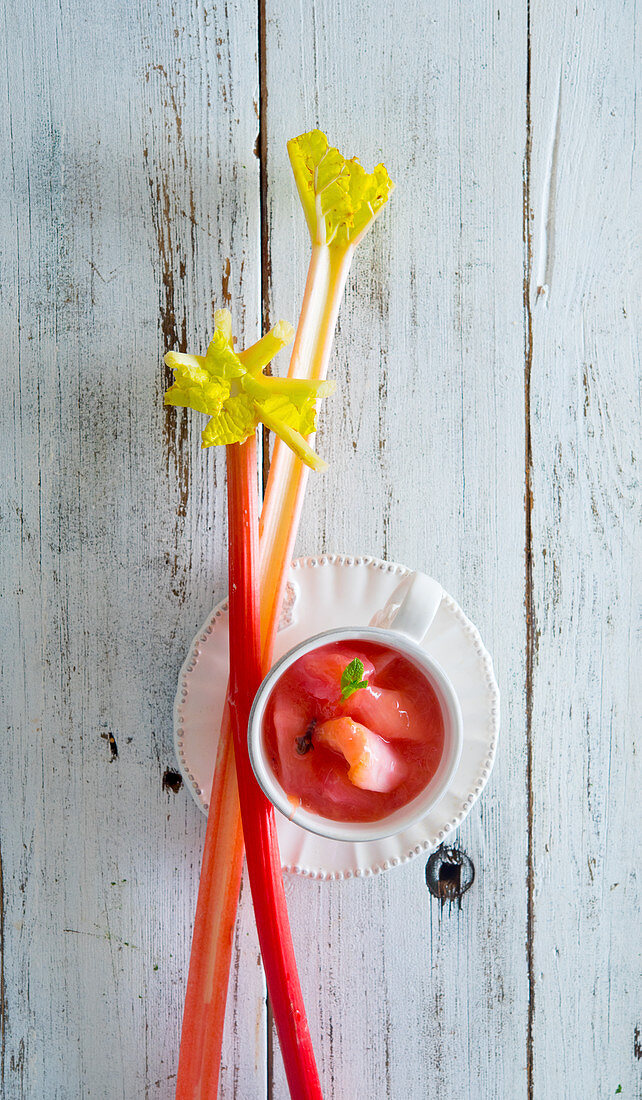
x=257 y=813
x=235 y=391
x=340 y=202
x=204 y=1015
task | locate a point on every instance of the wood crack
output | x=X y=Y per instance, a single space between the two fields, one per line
x=265 y=258
x=266 y=286
x=528 y=555
x=549 y=198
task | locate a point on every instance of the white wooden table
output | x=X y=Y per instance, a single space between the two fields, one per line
x=487 y=362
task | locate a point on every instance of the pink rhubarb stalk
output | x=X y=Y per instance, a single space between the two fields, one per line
x=340 y=201
x=257 y=813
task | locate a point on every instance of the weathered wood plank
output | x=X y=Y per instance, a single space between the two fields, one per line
x=427 y=432
x=585 y=430
x=130 y=203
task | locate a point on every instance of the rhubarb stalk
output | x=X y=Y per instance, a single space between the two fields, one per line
x=219 y=884
x=287 y=478
x=340 y=201
x=257 y=813
x=237 y=396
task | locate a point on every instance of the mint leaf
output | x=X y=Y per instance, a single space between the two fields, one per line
x=352 y=678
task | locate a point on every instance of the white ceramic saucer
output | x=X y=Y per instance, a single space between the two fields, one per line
x=326 y=592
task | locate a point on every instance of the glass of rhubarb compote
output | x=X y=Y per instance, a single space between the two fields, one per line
x=356 y=733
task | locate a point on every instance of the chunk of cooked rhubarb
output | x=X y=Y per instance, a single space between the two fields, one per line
x=374 y=765
x=320 y=672
x=383 y=710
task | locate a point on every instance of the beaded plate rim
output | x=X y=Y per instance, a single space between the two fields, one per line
x=430 y=842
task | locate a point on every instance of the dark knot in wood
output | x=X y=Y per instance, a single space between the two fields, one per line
x=449 y=874
x=172 y=781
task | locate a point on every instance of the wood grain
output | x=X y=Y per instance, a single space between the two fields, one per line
x=484 y=431
x=585 y=418
x=408 y=997
x=132 y=208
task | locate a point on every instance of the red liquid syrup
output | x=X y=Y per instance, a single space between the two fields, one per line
x=401 y=747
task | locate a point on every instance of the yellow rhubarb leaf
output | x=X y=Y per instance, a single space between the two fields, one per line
x=223 y=323
x=237 y=396
x=255 y=358
x=339 y=198
x=235 y=422
x=293 y=439
x=202 y=382
x=281 y=409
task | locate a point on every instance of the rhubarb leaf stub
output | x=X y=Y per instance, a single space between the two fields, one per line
x=237 y=396
x=339 y=198
x=235 y=421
